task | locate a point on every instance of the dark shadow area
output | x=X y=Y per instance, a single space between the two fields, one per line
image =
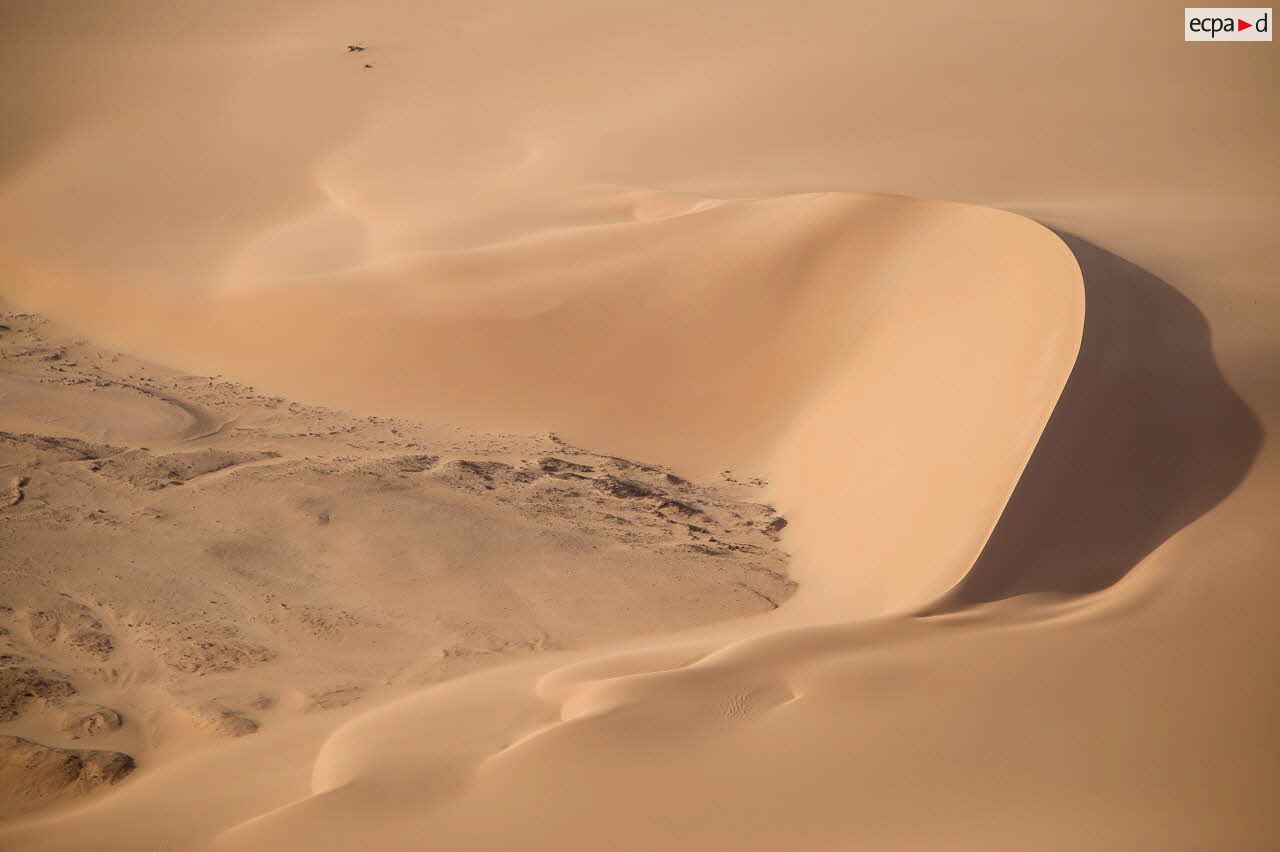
x=1146 y=437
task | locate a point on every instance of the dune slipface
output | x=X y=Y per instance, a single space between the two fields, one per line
x=572 y=427
x=975 y=314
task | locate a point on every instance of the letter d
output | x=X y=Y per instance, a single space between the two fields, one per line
x=1263 y=23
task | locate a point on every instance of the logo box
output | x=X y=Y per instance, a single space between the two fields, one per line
x=1227 y=24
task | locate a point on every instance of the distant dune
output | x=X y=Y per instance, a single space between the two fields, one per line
x=636 y=426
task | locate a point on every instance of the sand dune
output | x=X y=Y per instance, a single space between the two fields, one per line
x=613 y=293
x=1094 y=503
x=298 y=559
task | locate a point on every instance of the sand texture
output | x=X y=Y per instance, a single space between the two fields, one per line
x=636 y=426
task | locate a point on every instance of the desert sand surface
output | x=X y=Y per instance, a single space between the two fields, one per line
x=230 y=557
x=637 y=426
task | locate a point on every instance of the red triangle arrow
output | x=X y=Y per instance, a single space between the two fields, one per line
x=1244 y=25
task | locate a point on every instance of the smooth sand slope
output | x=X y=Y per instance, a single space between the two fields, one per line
x=1025 y=472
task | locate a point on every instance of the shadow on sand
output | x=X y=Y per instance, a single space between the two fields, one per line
x=1146 y=437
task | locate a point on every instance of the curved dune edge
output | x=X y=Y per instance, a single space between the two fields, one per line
x=169 y=168
x=858 y=442
x=756 y=333
x=955 y=328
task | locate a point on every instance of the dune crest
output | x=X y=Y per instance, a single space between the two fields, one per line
x=687 y=426
x=974 y=314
